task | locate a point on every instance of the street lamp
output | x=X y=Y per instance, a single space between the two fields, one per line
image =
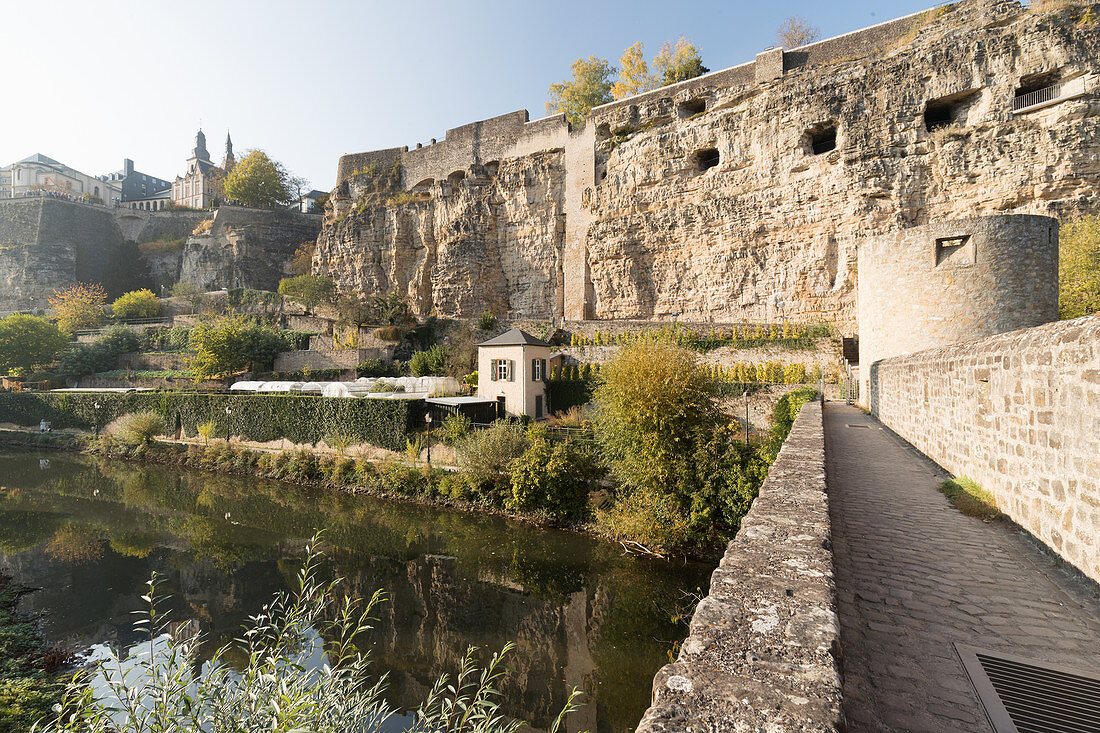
x=96 y=405
x=228 y=412
x=428 y=435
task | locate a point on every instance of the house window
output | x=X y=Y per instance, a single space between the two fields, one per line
x=501 y=370
x=537 y=366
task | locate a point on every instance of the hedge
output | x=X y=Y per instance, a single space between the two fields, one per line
x=298 y=418
x=565 y=393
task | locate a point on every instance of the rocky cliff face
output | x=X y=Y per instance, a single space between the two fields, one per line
x=48 y=243
x=742 y=195
x=245 y=248
x=491 y=240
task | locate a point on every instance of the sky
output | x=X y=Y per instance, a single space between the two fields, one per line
x=91 y=83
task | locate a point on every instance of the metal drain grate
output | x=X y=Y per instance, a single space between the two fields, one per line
x=858 y=425
x=1027 y=696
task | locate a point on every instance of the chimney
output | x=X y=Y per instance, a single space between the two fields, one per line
x=127 y=167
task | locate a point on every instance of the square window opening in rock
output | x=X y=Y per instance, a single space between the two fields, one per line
x=690 y=108
x=820 y=138
x=706 y=159
x=950 y=110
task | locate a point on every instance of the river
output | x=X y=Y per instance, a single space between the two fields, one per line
x=89 y=532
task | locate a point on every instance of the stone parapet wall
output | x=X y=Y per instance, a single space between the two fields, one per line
x=1018 y=413
x=761 y=650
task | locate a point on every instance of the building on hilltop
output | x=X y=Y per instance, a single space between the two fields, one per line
x=140 y=190
x=41 y=175
x=202 y=186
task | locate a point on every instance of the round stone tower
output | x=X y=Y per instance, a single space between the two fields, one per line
x=952 y=281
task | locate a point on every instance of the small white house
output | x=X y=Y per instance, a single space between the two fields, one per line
x=512 y=369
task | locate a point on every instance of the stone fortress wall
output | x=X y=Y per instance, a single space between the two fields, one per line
x=741 y=195
x=1019 y=413
x=48 y=243
x=953 y=281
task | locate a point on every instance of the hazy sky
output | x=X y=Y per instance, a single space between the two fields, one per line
x=90 y=83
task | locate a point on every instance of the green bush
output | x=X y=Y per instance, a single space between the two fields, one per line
x=137 y=304
x=298 y=418
x=137 y=428
x=429 y=362
x=553 y=477
x=487 y=455
x=486 y=321
x=564 y=394
x=373 y=368
x=455 y=427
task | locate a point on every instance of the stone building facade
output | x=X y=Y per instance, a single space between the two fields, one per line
x=41 y=175
x=201 y=186
x=740 y=195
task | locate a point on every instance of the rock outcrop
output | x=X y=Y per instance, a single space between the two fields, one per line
x=48 y=243
x=489 y=240
x=741 y=195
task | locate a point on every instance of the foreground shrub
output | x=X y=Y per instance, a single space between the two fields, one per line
x=28 y=341
x=137 y=428
x=486 y=456
x=136 y=304
x=276 y=690
x=554 y=477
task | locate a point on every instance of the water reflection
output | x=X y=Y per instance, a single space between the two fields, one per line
x=90 y=532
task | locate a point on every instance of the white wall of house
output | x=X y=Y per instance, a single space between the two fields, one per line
x=521 y=380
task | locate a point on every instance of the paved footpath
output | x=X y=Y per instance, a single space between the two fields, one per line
x=915 y=575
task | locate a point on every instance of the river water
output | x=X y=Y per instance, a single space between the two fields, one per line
x=88 y=532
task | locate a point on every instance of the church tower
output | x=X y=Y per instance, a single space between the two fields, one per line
x=230 y=159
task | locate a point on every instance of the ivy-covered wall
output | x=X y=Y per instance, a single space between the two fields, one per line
x=298 y=418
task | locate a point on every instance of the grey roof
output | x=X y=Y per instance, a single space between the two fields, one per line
x=40 y=158
x=515 y=337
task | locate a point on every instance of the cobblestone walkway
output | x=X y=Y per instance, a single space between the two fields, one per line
x=914 y=575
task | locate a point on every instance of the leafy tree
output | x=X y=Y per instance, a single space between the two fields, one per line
x=553 y=477
x=79 y=306
x=28 y=341
x=794 y=32
x=392 y=309
x=217 y=345
x=634 y=76
x=302 y=260
x=189 y=292
x=590 y=87
x=259 y=181
x=678 y=62
x=229 y=344
x=1079 y=268
x=309 y=290
x=651 y=397
x=137 y=304
x=431 y=361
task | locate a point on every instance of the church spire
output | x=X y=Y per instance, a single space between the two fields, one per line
x=230 y=159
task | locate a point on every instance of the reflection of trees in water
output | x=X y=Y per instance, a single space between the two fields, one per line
x=580 y=613
x=76 y=543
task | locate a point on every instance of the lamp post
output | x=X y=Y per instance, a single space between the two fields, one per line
x=428 y=435
x=96 y=405
x=228 y=412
